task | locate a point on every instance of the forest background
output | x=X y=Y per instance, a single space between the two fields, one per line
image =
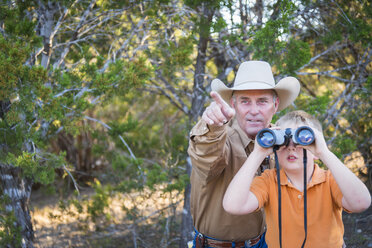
x=97 y=99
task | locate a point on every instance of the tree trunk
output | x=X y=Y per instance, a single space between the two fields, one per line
x=197 y=107
x=18 y=190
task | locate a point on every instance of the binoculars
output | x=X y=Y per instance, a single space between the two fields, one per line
x=301 y=136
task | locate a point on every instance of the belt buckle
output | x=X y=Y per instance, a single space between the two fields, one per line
x=248 y=243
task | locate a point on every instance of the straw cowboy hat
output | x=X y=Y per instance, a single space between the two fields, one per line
x=257 y=75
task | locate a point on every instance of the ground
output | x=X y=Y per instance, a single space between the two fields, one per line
x=69 y=231
x=358 y=229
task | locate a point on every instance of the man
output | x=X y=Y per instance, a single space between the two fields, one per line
x=219 y=145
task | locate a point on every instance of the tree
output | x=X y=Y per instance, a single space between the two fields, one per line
x=40 y=100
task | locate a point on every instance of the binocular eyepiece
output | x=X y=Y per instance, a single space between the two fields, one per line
x=301 y=136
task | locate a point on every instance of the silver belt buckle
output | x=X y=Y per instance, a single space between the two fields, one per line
x=248 y=243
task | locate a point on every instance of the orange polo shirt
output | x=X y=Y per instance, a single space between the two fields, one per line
x=324 y=210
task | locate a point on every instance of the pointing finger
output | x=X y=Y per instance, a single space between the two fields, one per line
x=228 y=111
x=218 y=99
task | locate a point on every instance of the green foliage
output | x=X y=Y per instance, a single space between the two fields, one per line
x=121 y=128
x=219 y=25
x=297 y=54
x=15 y=22
x=174 y=55
x=198 y=3
x=131 y=173
x=99 y=202
x=349 y=19
x=160 y=155
x=17 y=79
x=316 y=106
x=9 y=233
x=120 y=77
x=270 y=43
x=87 y=209
x=155 y=175
x=40 y=169
x=343 y=144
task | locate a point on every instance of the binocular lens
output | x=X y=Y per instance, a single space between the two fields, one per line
x=266 y=139
x=305 y=136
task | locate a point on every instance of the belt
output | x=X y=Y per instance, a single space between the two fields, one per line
x=208 y=242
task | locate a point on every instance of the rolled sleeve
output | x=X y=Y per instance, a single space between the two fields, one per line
x=207 y=148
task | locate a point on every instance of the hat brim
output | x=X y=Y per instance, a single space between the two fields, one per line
x=287 y=90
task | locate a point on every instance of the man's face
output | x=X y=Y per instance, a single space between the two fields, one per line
x=254 y=109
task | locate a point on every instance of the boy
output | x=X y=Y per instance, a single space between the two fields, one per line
x=328 y=191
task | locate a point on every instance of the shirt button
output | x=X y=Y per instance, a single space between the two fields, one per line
x=299 y=196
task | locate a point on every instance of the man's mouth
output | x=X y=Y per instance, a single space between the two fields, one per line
x=253 y=121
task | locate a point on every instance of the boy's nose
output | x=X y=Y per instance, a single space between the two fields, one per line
x=291 y=144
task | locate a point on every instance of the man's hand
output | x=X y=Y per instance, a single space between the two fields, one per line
x=218 y=112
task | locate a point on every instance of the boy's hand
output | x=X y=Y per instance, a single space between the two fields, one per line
x=261 y=151
x=218 y=112
x=319 y=146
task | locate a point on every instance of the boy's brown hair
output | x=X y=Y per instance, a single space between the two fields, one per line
x=300 y=117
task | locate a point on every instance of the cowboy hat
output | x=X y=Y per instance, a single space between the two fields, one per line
x=257 y=75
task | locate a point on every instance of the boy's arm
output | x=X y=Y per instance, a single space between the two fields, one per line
x=238 y=198
x=356 y=197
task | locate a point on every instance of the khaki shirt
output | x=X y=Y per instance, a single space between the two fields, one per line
x=217 y=154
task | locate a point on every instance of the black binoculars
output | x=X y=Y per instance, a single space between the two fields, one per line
x=270 y=137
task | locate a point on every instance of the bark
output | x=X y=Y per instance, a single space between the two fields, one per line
x=46 y=23
x=18 y=190
x=258 y=10
x=196 y=110
x=198 y=95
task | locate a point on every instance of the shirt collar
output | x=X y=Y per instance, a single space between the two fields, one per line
x=318 y=177
x=243 y=136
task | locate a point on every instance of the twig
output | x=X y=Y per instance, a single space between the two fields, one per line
x=72 y=178
x=109 y=128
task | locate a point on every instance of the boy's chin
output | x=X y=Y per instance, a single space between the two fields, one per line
x=293 y=167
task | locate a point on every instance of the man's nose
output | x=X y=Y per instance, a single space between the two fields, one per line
x=254 y=109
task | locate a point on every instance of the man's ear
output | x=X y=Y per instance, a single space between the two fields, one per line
x=276 y=103
x=232 y=102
